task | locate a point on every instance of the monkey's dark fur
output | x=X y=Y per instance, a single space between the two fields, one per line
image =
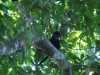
x=55 y=42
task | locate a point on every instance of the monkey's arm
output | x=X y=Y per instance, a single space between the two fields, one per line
x=43 y=60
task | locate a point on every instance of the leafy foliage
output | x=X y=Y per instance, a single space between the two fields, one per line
x=76 y=20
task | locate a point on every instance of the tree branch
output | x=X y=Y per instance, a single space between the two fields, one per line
x=47 y=48
x=12 y=46
x=43 y=43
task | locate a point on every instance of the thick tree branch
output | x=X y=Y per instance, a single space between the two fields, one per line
x=12 y=46
x=43 y=43
x=47 y=48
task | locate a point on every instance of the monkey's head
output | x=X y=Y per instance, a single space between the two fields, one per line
x=56 y=35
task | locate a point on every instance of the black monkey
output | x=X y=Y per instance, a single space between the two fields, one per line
x=55 y=42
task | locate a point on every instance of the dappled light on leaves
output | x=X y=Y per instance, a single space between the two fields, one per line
x=78 y=22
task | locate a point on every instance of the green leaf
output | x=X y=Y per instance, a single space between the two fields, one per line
x=90 y=5
x=82 y=56
x=89 y=41
x=49 y=5
x=4 y=68
x=38 y=29
x=4 y=8
x=97 y=42
x=41 y=4
x=21 y=71
x=35 y=3
x=21 y=21
x=1 y=19
x=46 y=16
x=9 y=19
x=29 y=36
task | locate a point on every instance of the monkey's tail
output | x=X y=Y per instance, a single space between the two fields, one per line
x=43 y=60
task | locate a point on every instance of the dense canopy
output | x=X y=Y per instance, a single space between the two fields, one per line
x=78 y=22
